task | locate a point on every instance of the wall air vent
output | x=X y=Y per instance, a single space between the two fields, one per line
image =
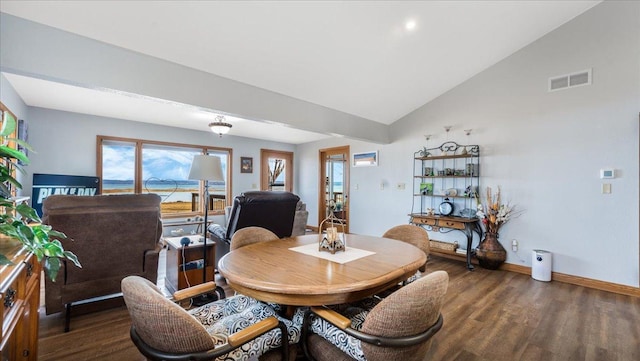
x=570 y=80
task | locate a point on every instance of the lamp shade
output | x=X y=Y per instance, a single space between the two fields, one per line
x=206 y=167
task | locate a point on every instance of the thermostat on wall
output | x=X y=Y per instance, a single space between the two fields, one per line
x=607 y=173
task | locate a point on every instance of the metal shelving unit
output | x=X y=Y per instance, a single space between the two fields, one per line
x=449 y=171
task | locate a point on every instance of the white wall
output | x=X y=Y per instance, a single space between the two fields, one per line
x=544 y=149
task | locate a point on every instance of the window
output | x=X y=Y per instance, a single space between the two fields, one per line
x=128 y=166
x=118 y=167
x=276 y=171
x=218 y=193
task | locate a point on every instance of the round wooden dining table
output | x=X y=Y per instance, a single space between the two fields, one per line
x=276 y=272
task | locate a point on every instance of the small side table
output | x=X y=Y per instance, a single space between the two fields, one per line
x=183 y=269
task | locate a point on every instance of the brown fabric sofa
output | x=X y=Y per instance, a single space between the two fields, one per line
x=114 y=236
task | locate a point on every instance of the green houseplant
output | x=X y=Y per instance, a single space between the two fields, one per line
x=19 y=221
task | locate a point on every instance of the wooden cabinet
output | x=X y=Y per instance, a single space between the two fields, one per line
x=179 y=274
x=20 y=297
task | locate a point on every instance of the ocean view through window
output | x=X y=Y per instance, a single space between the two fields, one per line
x=137 y=166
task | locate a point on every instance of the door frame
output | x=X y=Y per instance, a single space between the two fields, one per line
x=265 y=154
x=322 y=154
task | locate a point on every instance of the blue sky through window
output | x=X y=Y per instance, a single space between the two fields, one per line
x=118 y=163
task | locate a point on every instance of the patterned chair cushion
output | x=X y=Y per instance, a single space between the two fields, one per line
x=357 y=313
x=229 y=315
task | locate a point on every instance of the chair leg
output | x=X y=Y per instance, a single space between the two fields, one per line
x=67 y=317
x=285 y=340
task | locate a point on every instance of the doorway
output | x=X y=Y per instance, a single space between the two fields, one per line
x=334 y=180
x=276 y=170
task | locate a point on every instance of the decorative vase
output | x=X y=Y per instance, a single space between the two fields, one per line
x=490 y=252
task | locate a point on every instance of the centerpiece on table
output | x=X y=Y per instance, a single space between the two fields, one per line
x=330 y=240
x=493 y=215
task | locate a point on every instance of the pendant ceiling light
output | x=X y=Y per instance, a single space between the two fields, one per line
x=220 y=126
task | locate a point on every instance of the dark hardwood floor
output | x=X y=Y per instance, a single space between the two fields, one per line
x=488 y=316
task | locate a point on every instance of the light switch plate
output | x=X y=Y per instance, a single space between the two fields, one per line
x=606 y=188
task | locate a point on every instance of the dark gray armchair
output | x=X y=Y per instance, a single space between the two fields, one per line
x=274 y=211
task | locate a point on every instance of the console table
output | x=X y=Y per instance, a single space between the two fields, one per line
x=436 y=223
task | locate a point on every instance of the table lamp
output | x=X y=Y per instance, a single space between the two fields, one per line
x=206 y=168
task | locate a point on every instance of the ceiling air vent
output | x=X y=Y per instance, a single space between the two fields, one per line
x=570 y=80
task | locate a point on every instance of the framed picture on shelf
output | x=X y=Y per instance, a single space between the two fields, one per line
x=246 y=165
x=365 y=159
x=426 y=188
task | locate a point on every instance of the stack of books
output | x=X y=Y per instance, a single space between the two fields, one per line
x=461 y=251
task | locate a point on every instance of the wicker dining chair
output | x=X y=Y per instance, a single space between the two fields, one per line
x=238 y=327
x=249 y=235
x=399 y=327
x=412 y=234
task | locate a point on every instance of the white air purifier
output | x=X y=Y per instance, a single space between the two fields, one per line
x=541 y=265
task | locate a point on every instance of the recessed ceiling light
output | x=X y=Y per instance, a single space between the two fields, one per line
x=410 y=25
